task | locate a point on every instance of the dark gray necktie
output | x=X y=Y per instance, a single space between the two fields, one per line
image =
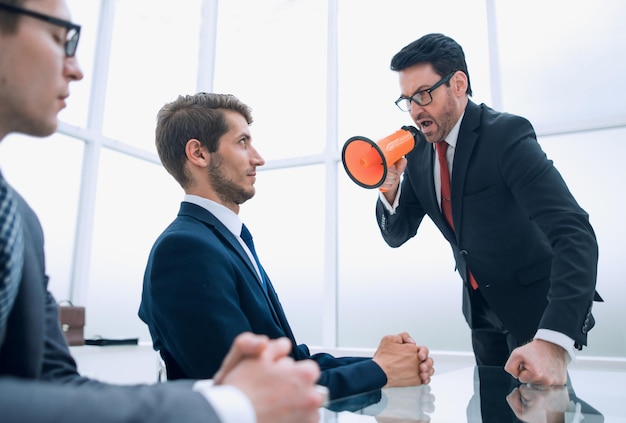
x=11 y=252
x=247 y=238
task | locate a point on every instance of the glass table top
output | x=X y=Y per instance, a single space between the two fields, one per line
x=489 y=394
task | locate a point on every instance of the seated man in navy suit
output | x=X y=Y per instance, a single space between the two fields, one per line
x=203 y=284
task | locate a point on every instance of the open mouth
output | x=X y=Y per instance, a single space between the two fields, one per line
x=425 y=123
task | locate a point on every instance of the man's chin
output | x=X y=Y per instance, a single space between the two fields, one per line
x=45 y=129
x=246 y=196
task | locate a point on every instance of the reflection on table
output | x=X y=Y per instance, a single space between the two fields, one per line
x=489 y=395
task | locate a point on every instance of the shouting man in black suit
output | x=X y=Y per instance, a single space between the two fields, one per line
x=523 y=246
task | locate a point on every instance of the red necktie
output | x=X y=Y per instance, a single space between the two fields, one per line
x=446 y=204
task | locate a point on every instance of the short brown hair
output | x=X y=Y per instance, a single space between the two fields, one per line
x=199 y=116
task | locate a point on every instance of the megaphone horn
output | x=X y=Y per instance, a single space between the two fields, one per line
x=366 y=162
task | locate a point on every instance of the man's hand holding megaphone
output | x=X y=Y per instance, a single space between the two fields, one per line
x=379 y=165
x=390 y=185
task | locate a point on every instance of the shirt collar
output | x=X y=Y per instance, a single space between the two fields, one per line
x=223 y=214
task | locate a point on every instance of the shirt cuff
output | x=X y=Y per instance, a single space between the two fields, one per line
x=391 y=207
x=230 y=404
x=559 y=339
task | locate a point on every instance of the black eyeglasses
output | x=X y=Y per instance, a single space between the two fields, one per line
x=73 y=30
x=421 y=98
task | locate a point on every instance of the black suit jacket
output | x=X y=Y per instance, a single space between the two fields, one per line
x=518 y=228
x=39 y=381
x=201 y=291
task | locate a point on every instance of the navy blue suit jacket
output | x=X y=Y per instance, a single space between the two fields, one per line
x=201 y=291
x=528 y=243
x=39 y=381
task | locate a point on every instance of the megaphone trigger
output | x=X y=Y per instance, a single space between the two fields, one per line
x=366 y=162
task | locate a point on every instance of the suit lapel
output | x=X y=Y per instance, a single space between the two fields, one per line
x=468 y=137
x=279 y=313
x=24 y=340
x=219 y=229
x=275 y=306
x=231 y=241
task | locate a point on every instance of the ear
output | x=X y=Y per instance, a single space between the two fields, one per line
x=459 y=83
x=196 y=153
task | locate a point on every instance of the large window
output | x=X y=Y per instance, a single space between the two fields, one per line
x=316 y=73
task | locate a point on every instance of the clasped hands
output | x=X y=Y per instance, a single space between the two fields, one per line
x=404 y=362
x=280 y=389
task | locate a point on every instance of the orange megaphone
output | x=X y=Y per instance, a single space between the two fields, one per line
x=366 y=162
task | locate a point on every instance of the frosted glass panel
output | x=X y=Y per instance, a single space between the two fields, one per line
x=272 y=55
x=384 y=291
x=592 y=164
x=135 y=201
x=46 y=172
x=286 y=217
x=562 y=61
x=154 y=58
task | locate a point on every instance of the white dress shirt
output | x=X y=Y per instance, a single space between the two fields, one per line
x=230 y=404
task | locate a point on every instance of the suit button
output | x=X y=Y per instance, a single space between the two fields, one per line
x=464 y=252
